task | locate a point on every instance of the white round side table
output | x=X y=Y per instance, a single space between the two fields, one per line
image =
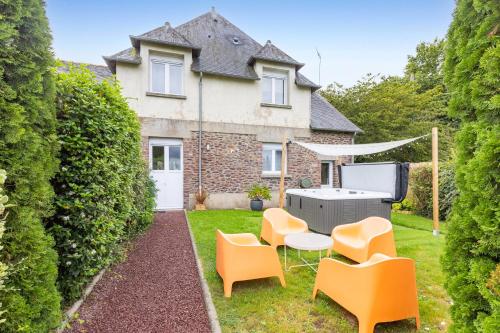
x=307 y=241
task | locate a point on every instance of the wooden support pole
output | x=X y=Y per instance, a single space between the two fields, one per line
x=435 y=182
x=282 y=174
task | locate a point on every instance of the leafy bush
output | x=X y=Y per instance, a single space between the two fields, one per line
x=28 y=146
x=421 y=190
x=259 y=192
x=144 y=191
x=103 y=192
x=472 y=252
x=420 y=193
x=405 y=205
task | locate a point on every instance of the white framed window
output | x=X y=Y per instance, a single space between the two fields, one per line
x=165 y=75
x=271 y=158
x=327 y=173
x=275 y=87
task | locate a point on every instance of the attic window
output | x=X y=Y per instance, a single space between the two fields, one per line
x=236 y=41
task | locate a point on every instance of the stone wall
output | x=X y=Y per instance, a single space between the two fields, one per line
x=233 y=162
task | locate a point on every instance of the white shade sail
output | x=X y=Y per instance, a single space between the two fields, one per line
x=331 y=152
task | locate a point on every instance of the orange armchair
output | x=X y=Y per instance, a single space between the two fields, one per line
x=358 y=241
x=277 y=223
x=381 y=289
x=241 y=257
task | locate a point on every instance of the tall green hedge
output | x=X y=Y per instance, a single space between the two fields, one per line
x=28 y=146
x=4 y=268
x=103 y=193
x=471 y=259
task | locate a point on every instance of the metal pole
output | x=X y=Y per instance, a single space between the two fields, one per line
x=435 y=182
x=200 y=128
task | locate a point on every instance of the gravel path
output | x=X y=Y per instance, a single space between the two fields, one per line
x=157 y=289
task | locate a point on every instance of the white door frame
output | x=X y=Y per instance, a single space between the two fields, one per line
x=330 y=174
x=167 y=142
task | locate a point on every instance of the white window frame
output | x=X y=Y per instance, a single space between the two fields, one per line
x=273 y=147
x=330 y=174
x=273 y=75
x=167 y=62
x=166 y=143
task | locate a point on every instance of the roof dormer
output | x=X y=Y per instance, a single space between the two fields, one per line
x=271 y=53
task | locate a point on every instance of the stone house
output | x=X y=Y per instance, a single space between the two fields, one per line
x=208 y=76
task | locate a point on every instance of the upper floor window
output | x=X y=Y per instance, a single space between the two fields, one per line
x=166 y=75
x=274 y=87
x=271 y=158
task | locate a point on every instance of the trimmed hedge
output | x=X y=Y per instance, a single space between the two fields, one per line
x=103 y=192
x=472 y=252
x=28 y=146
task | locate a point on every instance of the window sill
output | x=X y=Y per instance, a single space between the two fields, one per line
x=274 y=175
x=153 y=94
x=279 y=106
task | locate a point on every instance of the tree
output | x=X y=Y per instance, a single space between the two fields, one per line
x=28 y=147
x=426 y=66
x=391 y=108
x=472 y=76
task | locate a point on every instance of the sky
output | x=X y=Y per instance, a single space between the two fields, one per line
x=354 y=37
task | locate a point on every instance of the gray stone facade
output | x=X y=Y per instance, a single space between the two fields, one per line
x=232 y=162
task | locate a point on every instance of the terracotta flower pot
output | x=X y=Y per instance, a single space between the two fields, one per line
x=200 y=207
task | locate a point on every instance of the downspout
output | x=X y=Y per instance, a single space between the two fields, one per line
x=200 y=128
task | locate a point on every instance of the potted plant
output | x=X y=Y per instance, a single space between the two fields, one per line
x=257 y=193
x=200 y=197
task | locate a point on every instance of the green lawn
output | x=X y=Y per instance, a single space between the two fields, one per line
x=264 y=306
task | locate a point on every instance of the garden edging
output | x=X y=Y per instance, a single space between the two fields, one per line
x=212 y=312
x=68 y=315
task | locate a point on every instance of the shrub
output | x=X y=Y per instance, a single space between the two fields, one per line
x=421 y=190
x=259 y=192
x=472 y=252
x=144 y=191
x=103 y=192
x=405 y=205
x=28 y=146
x=420 y=194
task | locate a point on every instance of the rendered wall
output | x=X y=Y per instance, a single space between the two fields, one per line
x=226 y=100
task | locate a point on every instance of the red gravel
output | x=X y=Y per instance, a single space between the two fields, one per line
x=157 y=289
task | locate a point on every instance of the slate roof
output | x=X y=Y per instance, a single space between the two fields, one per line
x=128 y=56
x=269 y=52
x=101 y=72
x=163 y=35
x=225 y=49
x=303 y=81
x=325 y=116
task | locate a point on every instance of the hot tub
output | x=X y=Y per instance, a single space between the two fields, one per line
x=367 y=189
x=324 y=209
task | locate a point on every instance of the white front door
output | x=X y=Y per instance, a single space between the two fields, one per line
x=165 y=162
